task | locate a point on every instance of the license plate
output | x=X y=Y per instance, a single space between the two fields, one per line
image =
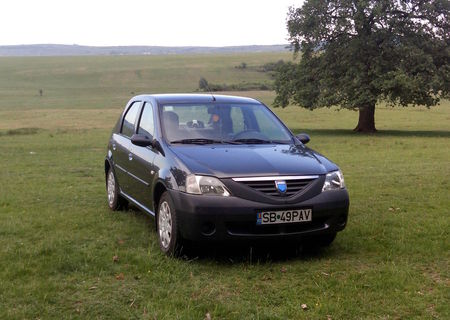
x=285 y=216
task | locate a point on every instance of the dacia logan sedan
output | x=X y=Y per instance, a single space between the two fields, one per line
x=222 y=168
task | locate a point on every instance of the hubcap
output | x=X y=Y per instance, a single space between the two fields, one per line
x=111 y=188
x=164 y=224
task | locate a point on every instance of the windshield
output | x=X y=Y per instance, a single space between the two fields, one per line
x=222 y=123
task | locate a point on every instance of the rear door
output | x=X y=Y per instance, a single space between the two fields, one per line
x=122 y=147
x=142 y=170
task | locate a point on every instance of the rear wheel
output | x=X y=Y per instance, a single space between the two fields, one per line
x=115 y=201
x=167 y=227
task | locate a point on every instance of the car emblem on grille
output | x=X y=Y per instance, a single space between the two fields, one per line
x=281 y=186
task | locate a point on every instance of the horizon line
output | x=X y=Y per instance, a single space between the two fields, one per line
x=143 y=45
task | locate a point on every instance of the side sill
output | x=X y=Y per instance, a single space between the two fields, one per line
x=139 y=205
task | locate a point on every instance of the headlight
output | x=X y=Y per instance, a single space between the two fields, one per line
x=205 y=185
x=334 y=181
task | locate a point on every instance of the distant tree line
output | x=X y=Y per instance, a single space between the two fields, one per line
x=267 y=67
x=271 y=68
x=205 y=86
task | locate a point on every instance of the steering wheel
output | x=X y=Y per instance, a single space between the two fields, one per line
x=250 y=134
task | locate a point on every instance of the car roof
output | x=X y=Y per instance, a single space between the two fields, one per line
x=195 y=97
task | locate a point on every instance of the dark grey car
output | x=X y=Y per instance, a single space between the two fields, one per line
x=221 y=168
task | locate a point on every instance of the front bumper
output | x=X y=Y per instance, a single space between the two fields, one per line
x=227 y=218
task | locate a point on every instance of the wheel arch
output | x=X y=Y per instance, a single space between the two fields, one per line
x=158 y=191
x=108 y=166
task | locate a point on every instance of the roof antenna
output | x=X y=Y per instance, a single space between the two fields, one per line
x=210 y=92
x=204 y=83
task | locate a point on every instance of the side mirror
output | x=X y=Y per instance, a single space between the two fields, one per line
x=303 y=137
x=144 y=141
x=141 y=140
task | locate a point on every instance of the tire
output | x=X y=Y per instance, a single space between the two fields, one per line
x=169 y=238
x=115 y=201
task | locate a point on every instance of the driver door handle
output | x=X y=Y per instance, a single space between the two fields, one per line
x=130 y=156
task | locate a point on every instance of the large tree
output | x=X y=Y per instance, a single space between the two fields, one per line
x=356 y=53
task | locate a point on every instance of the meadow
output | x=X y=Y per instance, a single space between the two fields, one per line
x=58 y=237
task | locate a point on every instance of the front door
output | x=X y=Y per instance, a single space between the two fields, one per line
x=142 y=170
x=121 y=146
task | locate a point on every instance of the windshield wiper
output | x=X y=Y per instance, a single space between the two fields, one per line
x=237 y=141
x=202 y=141
x=252 y=141
x=260 y=141
x=281 y=141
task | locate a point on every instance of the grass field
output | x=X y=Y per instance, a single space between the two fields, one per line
x=58 y=237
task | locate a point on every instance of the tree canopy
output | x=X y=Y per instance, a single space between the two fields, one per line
x=356 y=53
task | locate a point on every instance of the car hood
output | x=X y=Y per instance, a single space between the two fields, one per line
x=225 y=161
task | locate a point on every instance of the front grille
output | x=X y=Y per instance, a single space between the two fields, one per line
x=269 y=188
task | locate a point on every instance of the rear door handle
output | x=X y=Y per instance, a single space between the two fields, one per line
x=114 y=146
x=130 y=156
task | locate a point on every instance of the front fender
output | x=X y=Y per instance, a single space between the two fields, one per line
x=167 y=179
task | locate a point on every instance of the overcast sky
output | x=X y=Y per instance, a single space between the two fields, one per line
x=145 y=22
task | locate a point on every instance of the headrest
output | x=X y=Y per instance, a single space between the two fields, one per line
x=171 y=118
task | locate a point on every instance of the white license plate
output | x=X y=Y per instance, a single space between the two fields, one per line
x=285 y=216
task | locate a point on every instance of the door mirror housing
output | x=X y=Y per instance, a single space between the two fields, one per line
x=141 y=140
x=303 y=137
x=144 y=141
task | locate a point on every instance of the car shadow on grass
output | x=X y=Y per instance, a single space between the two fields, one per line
x=252 y=253
x=243 y=252
x=379 y=133
x=138 y=214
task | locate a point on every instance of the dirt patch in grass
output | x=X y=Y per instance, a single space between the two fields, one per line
x=20 y=132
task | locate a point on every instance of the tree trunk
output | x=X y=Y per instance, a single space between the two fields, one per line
x=366 y=122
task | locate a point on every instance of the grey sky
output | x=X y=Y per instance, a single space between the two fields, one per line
x=140 y=22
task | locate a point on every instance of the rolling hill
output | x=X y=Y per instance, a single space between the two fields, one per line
x=78 y=50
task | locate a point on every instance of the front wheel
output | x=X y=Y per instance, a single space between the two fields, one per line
x=167 y=227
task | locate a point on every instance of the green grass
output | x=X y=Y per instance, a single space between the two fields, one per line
x=58 y=238
x=105 y=82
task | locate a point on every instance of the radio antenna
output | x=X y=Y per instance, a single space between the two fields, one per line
x=205 y=86
x=210 y=92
